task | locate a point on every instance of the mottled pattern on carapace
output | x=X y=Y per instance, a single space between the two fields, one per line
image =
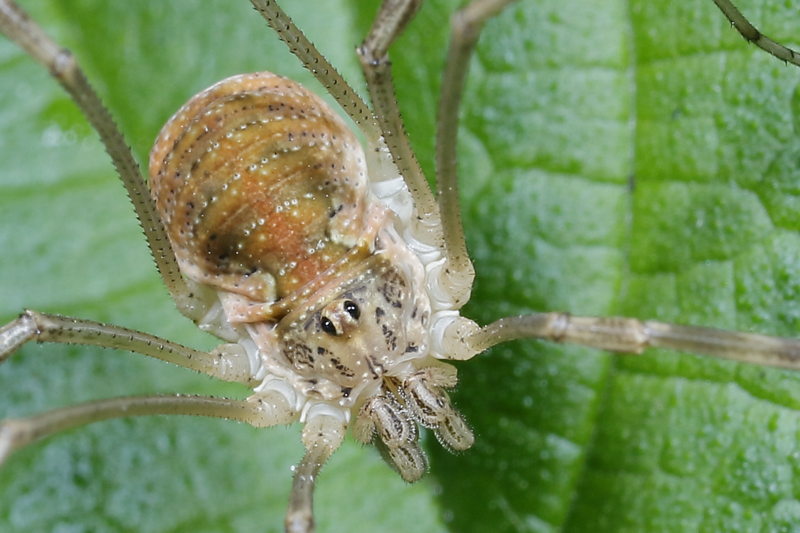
x=260 y=184
x=390 y=327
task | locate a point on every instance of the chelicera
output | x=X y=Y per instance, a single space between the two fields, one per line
x=345 y=325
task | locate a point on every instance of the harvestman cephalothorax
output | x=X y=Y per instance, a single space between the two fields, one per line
x=339 y=282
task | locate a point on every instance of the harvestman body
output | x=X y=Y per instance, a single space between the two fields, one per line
x=330 y=271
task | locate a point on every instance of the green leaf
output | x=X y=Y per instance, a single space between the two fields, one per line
x=638 y=158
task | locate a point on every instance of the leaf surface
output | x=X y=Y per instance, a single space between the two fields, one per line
x=637 y=159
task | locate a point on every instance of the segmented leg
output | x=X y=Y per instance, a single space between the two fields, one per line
x=18 y=27
x=465 y=28
x=751 y=34
x=629 y=335
x=322 y=435
x=319 y=66
x=383 y=134
x=16 y=433
x=390 y=21
x=228 y=362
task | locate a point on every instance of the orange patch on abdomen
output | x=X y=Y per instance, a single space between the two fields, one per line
x=261 y=186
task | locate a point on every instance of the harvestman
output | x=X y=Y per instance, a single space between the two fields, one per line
x=337 y=295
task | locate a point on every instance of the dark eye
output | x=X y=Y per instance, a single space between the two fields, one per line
x=327 y=326
x=352 y=309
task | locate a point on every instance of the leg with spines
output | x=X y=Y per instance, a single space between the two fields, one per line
x=751 y=34
x=619 y=334
x=61 y=64
x=391 y=19
x=226 y=362
x=379 y=131
x=528 y=328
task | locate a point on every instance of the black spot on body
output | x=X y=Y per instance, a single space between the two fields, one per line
x=390 y=337
x=300 y=355
x=342 y=369
x=374 y=366
x=392 y=288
